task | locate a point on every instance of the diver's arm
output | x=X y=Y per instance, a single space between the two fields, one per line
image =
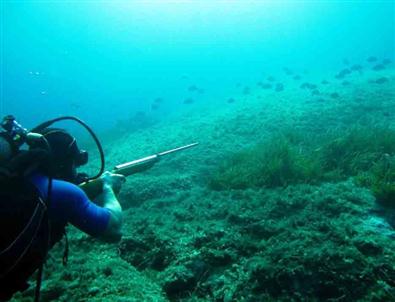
x=109 y=201
x=113 y=231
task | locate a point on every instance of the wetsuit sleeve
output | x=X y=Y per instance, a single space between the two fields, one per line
x=70 y=204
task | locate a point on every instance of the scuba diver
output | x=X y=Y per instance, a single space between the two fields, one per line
x=40 y=195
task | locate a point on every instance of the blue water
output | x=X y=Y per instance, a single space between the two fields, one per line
x=104 y=61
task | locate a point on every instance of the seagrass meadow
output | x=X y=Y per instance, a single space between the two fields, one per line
x=290 y=193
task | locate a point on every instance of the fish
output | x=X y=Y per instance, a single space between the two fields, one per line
x=279 y=87
x=266 y=86
x=324 y=82
x=230 y=100
x=356 y=67
x=315 y=92
x=381 y=80
x=346 y=61
x=270 y=79
x=386 y=62
x=297 y=77
x=188 y=101
x=334 y=95
x=246 y=90
x=307 y=85
x=155 y=106
x=378 y=67
x=158 y=100
x=192 y=88
x=139 y=114
x=200 y=91
x=346 y=83
x=371 y=59
x=288 y=71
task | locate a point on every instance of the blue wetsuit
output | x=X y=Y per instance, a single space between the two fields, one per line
x=70 y=204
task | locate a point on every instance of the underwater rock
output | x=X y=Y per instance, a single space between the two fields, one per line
x=297 y=77
x=381 y=80
x=368 y=247
x=371 y=59
x=334 y=95
x=279 y=87
x=188 y=101
x=378 y=67
x=179 y=280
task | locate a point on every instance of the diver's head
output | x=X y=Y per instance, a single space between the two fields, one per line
x=65 y=154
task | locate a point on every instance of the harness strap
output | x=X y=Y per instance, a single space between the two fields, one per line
x=28 y=234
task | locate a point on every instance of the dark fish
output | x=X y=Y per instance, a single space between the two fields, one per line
x=158 y=100
x=315 y=92
x=346 y=62
x=346 y=83
x=345 y=71
x=192 y=88
x=334 y=95
x=201 y=91
x=381 y=80
x=155 y=106
x=279 y=87
x=371 y=59
x=297 y=77
x=246 y=90
x=378 y=67
x=306 y=85
x=386 y=62
x=188 y=101
x=288 y=71
x=356 y=67
x=321 y=100
x=75 y=106
x=339 y=76
x=231 y=100
x=324 y=82
x=266 y=86
x=270 y=79
x=139 y=114
x=259 y=83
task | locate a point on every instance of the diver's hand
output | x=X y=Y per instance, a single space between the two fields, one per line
x=113 y=181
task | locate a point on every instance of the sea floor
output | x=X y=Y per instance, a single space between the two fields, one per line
x=185 y=241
